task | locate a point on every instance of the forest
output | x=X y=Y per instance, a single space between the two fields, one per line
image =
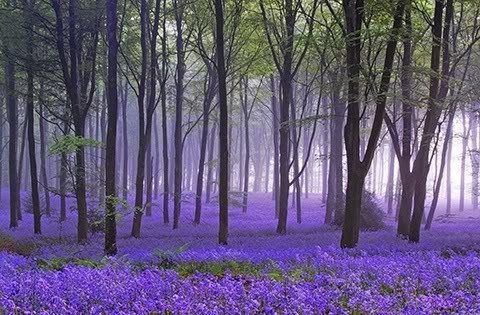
x=239 y=157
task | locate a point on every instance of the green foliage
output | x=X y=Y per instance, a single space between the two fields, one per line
x=219 y=268
x=59 y=263
x=372 y=215
x=167 y=258
x=15 y=246
x=69 y=144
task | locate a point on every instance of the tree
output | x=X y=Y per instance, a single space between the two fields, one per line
x=357 y=168
x=112 y=103
x=178 y=8
x=31 y=118
x=80 y=87
x=287 y=68
x=223 y=151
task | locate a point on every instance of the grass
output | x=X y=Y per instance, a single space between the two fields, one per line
x=10 y=245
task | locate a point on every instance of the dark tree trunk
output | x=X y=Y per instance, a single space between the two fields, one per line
x=335 y=174
x=296 y=168
x=211 y=167
x=437 y=93
x=63 y=180
x=209 y=96
x=145 y=116
x=474 y=157
x=74 y=75
x=13 y=136
x=438 y=184
x=463 y=158
x=267 y=168
x=37 y=225
x=223 y=125
x=246 y=167
x=43 y=156
x=179 y=88
x=358 y=169
x=390 y=179
x=125 y=143
x=163 y=99
x=21 y=159
x=156 y=166
x=448 y=208
x=103 y=155
x=275 y=132
x=112 y=103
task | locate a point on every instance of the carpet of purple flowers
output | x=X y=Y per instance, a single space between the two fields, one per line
x=184 y=271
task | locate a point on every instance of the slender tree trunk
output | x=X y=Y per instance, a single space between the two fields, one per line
x=180 y=72
x=20 y=166
x=223 y=125
x=390 y=179
x=437 y=93
x=43 y=156
x=125 y=143
x=448 y=208
x=149 y=182
x=12 y=143
x=211 y=167
x=112 y=103
x=267 y=168
x=63 y=180
x=323 y=149
x=275 y=132
x=296 y=168
x=37 y=225
x=461 y=205
x=358 y=169
x=210 y=95
x=156 y=167
x=438 y=185
x=142 y=140
x=474 y=157
x=246 y=167
x=163 y=99
x=103 y=155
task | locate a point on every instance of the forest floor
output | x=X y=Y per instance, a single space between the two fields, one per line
x=259 y=271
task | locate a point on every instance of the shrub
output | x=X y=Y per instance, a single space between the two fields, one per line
x=14 y=246
x=371 y=214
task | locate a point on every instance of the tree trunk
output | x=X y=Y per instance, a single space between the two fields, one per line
x=180 y=72
x=125 y=143
x=63 y=180
x=37 y=225
x=223 y=125
x=211 y=167
x=437 y=93
x=156 y=167
x=461 y=205
x=43 y=156
x=275 y=132
x=474 y=157
x=296 y=168
x=246 y=167
x=142 y=139
x=448 y=208
x=390 y=179
x=20 y=166
x=209 y=96
x=438 y=185
x=12 y=136
x=111 y=137
x=357 y=169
